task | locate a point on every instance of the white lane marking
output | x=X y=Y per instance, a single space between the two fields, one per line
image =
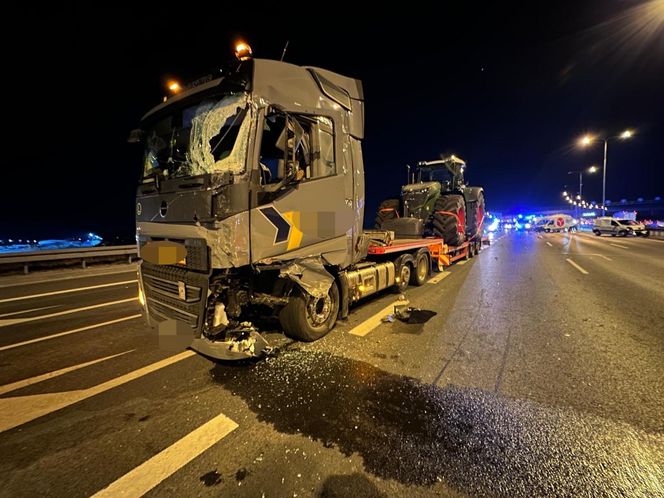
x=150 y=473
x=56 y=373
x=462 y=262
x=29 y=311
x=549 y=244
x=18 y=410
x=74 y=331
x=441 y=276
x=73 y=277
x=374 y=321
x=14 y=321
x=618 y=245
x=602 y=256
x=577 y=266
x=67 y=291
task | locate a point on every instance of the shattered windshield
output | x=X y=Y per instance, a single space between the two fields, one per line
x=210 y=136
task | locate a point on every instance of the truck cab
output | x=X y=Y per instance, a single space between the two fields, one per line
x=251 y=191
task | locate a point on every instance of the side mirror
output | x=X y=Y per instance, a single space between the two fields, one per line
x=136 y=136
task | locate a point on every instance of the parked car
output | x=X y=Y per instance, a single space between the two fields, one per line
x=622 y=228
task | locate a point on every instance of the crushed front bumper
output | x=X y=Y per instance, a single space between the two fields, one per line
x=242 y=345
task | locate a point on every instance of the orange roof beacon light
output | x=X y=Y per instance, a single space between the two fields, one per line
x=173 y=86
x=242 y=51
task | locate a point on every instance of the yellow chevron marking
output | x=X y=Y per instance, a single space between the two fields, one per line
x=295 y=236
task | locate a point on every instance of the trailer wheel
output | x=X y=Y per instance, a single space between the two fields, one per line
x=403 y=276
x=308 y=318
x=388 y=210
x=419 y=276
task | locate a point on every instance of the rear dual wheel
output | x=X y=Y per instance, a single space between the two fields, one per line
x=421 y=271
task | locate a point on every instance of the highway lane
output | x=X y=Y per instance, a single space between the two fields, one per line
x=532 y=378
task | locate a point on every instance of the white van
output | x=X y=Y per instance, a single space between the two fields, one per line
x=615 y=226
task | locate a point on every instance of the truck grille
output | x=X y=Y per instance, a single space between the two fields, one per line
x=197 y=251
x=175 y=293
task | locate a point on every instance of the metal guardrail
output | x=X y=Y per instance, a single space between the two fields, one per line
x=79 y=253
x=657 y=233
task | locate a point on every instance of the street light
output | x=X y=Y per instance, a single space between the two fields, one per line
x=586 y=140
x=592 y=169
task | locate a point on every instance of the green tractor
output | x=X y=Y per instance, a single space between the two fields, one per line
x=435 y=203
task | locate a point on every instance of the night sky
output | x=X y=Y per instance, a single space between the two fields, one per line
x=508 y=87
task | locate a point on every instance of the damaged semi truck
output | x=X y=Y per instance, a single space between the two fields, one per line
x=251 y=204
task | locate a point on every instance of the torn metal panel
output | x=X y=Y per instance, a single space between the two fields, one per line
x=310 y=274
x=227 y=239
x=240 y=344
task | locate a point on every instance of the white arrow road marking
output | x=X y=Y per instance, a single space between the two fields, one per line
x=60 y=334
x=577 y=266
x=19 y=410
x=56 y=373
x=14 y=321
x=146 y=476
x=67 y=291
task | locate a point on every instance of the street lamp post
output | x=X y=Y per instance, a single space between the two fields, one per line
x=589 y=139
x=591 y=169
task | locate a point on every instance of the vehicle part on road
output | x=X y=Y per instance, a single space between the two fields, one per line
x=412 y=315
x=239 y=344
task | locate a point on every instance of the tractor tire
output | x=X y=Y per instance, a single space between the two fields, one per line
x=307 y=318
x=388 y=210
x=446 y=225
x=475 y=213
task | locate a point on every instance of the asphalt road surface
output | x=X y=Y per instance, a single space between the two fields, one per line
x=542 y=374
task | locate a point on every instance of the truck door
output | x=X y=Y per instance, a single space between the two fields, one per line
x=309 y=213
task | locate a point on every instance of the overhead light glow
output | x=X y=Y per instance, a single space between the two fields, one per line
x=174 y=86
x=243 y=51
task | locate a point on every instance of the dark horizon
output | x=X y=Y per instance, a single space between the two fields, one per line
x=507 y=88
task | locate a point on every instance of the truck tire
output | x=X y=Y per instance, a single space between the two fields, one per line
x=307 y=318
x=475 y=213
x=388 y=210
x=421 y=271
x=597 y=232
x=446 y=225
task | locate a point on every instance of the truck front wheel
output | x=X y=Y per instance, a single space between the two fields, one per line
x=308 y=318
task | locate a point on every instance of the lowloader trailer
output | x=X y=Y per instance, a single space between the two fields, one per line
x=251 y=204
